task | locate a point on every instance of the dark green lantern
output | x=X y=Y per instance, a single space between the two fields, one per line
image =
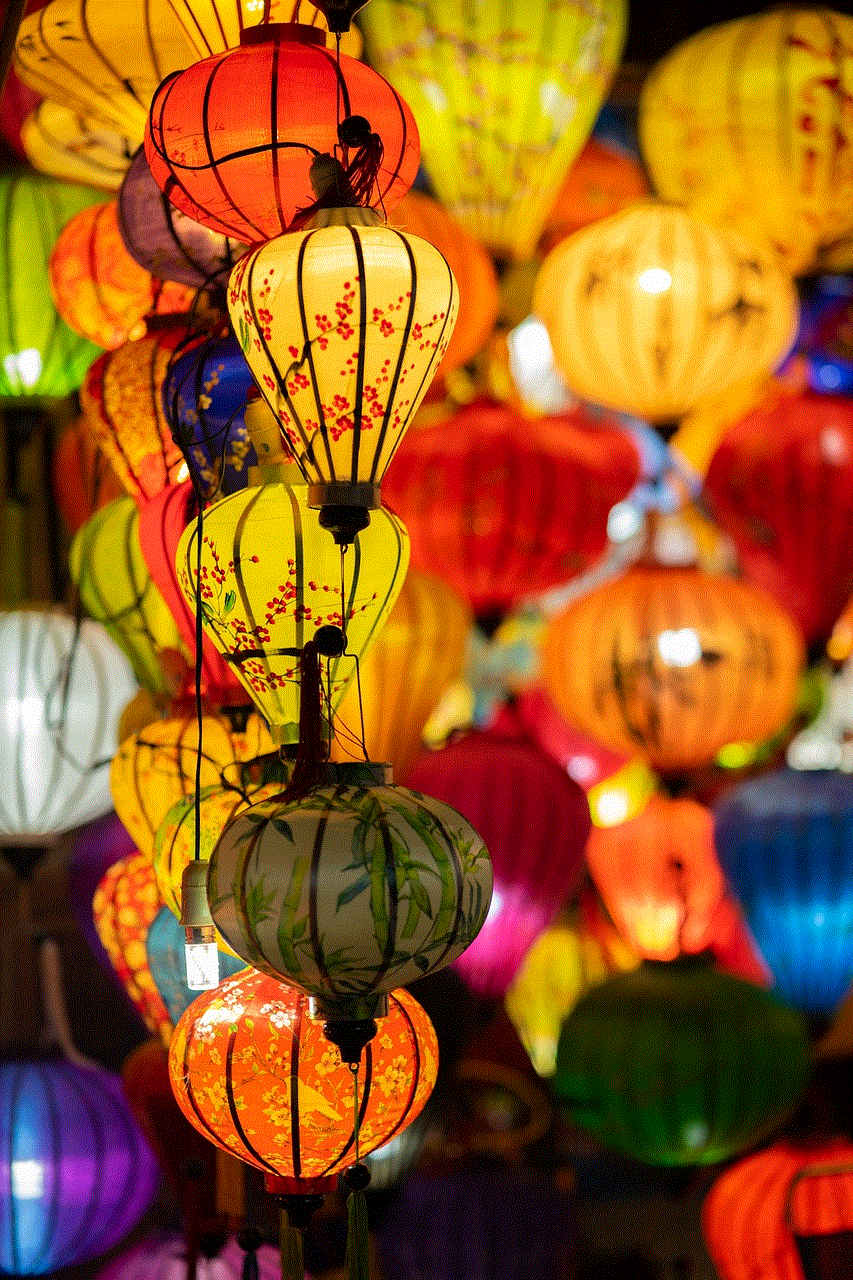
x=678 y=1064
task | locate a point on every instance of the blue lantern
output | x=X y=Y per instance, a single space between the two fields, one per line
x=164 y=947
x=785 y=841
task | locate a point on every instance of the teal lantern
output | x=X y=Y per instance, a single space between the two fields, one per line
x=40 y=357
x=677 y=1064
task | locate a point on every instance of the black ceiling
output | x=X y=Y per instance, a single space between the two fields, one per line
x=654 y=26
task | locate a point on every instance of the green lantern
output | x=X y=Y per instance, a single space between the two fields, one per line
x=40 y=357
x=678 y=1064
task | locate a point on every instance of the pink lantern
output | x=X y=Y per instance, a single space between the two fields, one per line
x=163 y=1257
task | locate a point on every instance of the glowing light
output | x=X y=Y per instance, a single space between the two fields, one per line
x=23 y=367
x=680 y=648
x=582 y=769
x=27 y=1180
x=695 y=1135
x=654 y=280
x=611 y=807
x=625 y=520
x=202 y=965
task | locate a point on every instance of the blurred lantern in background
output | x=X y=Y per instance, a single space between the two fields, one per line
x=504 y=98
x=17 y=101
x=503 y=506
x=82 y=479
x=785 y=841
x=603 y=180
x=534 y=821
x=652 y=310
x=94 y=850
x=828 y=347
x=61 y=143
x=164 y=1257
x=748 y=125
x=216 y=25
x=676 y=1064
x=76 y=1175
x=673 y=663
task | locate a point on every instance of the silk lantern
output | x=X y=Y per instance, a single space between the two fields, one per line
x=534 y=821
x=504 y=98
x=164 y=1257
x=784 y=841
x=115 y=588
x=790 y=525
x=40 y=357
x=603 y=180
x=755 y=1209
x=673 y=663
x=676 y=1064
x=165 y=953
x=76 y=1174
x=94 y=850
x=61 y=143
x=120 y=57
x=82 y=480
x=216 y=25
x=659 y=877
x=231 y=139
x=503 y=506
x=651 y=310
x=418 y=653
x=746 y=123
x=62 y=688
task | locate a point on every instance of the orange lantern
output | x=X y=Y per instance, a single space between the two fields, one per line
x=603 y=180
x=82 y=479
x=674 y=663
x=659 y=877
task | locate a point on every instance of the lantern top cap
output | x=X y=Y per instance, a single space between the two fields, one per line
x=295 y=32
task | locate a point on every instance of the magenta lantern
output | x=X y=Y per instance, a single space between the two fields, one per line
x=163 y=1257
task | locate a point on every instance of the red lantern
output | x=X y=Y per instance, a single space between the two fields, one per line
x=231 y=139
x=781 y=485
x=82 y=479
x=502 y=506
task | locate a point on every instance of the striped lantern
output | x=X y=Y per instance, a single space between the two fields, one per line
x=61 y=143
x=351 y=891
x=216 y=25
x=674 y=663
x=651 y=311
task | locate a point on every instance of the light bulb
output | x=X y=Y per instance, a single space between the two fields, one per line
x=202 y=952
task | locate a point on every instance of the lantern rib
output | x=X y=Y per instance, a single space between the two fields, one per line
x=313 y=899
x=295 y=1129
x=307 y=354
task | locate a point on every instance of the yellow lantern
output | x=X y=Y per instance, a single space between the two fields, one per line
x=419 y=652
x=212 y=26
x=749 y=125
x=651 y=310
x=504 y=96
x=63 y=144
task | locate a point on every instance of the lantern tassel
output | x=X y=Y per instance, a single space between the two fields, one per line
x=313 y=751
x=358 y=1240
x=290 y=1248
x=249 y=1240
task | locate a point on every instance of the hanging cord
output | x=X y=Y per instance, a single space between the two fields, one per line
x=249 y=1240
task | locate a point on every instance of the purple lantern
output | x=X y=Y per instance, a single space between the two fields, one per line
x=96 y=847
x=76 y=1174
x=162 y=1257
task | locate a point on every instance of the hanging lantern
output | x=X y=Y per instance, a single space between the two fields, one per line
x=94 y=850
x=71 y=1190
x=165 y=954
x=504 y=96
x=784 y=498
x=115 y=588
x=155 y=767
x=164 y=1257
x=61 y=143
x=343 y=328
x=651 y=311
x=61 y=691
x=261 y=620
x=746 y=123
x=98 y=289
x=784 y=842
x=676 y=1064
x=82 y=480
x=659 y=877
x=534 y=821
x=756 y=1209
x=602 y=181
x=231 y=140
x=216 y=25
x=674 y=663
x=39 y=355
x=120 y=57
x=503 y=506
x=418 y=653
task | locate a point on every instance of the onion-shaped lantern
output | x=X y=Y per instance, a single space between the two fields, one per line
x=61 y=143
x=785 y=841
x=602 y=181
x=651 y=311
x=164 y=1257
x=676 y=1064
x=674 y=663
x=165 y=951
x=231 y=139
x=76 y=1173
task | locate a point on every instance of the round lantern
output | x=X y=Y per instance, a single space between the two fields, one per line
x=780 y=485
x=676 y=1064
x=120 y=57
x=62 y=689
x=343 y=328
x=60 y=142
x=673 y=663
x=165 y=241
x=40 y=357
x=504 y=97
x=216 y=25
x=76 y=1173
x=503 y=506
x=155 y=767
x=231 y=140
x=651 y=310
x=253 y=1038
x=659 y=877
x=115 y=588
x=164 y=1257
x=534 y=821
x=418 y=653
x=261 y=619
x=82 y=480
x=785 y=842
x=755 y=1209
x=746 y=123
x=351 y=891
x=603 y=180
x=98 y=289
x=165 y=952
x=95 y=848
